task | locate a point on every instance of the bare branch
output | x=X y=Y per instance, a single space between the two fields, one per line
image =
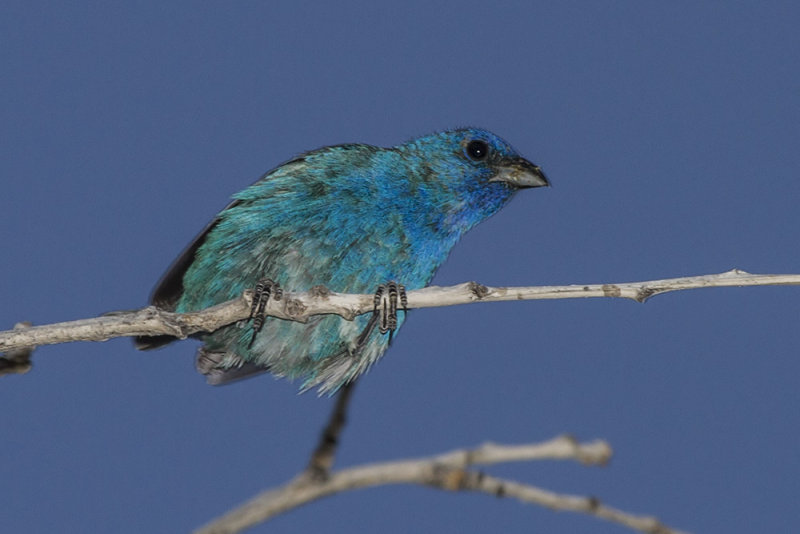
x=147 y=321
x=450 y=471
x=300 y=306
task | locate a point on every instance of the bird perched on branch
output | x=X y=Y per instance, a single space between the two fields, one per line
x=354 y=218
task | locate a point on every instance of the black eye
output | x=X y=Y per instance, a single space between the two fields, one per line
x=477 y=150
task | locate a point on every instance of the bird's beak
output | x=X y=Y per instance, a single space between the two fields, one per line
x=521 y=173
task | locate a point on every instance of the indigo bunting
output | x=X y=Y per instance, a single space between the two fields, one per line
x=350 y=217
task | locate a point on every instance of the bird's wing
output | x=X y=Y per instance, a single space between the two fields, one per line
x=168 y=291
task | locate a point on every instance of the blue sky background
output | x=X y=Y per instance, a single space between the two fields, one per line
x=671 y=133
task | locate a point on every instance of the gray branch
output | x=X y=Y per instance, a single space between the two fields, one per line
x=300 y=306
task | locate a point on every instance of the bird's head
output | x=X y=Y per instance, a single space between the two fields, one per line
x=470 y=173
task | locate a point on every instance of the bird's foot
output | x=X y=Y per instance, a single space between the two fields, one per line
x=385 y=306
x=265 y=289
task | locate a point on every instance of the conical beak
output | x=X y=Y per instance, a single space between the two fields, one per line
x=521 y=173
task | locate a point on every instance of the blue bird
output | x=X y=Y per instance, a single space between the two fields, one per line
x=352 y=218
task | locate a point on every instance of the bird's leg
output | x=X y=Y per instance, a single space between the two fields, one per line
x=265 y=289
x=385 y=306
x=384 y=314
x=361 y=341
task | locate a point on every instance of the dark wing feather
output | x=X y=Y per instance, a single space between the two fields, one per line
x=169 y=289
x=209 y=362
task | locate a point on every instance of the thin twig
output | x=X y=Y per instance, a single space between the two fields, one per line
x=300 y=306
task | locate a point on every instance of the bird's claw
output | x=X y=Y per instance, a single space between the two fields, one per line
x=265 y=289
x=385 y=306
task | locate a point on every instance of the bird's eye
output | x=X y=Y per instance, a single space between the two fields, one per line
x=477 y=150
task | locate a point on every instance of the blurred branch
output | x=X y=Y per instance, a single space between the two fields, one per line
x=450 y=471
x=300 y=306
x=319 y=467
